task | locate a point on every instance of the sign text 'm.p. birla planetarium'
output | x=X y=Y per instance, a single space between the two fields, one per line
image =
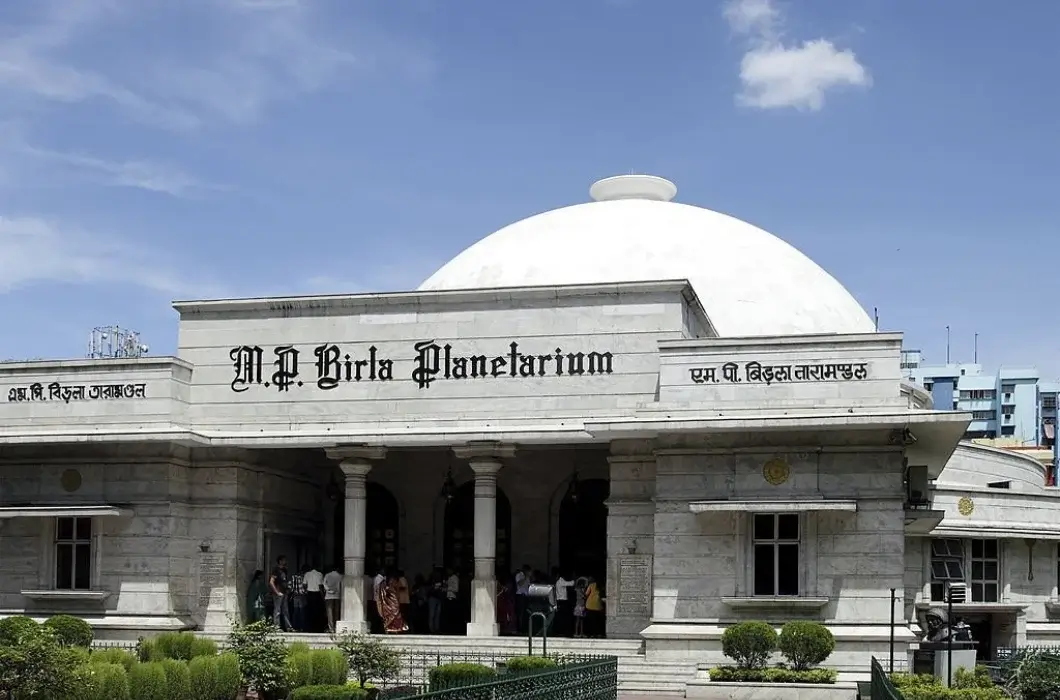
x=331 y=366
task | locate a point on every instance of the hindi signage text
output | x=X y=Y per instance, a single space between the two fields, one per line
x=757 y=373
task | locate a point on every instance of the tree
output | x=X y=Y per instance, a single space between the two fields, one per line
x=369 y=659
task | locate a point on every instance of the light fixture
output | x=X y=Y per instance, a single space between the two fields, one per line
x=1030 y=557
x=334 y=493
x=449 y=485
x=572 y=487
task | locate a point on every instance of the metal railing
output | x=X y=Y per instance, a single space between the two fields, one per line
x=586 y=680
x=1010 y=653
x=881 y=687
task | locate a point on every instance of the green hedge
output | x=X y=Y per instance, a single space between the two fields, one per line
x=13 y=628
x=518 y=664
x=102 y=681
x=734 y=674
x=70 y=631
x=966 y=686
x=178 y=680
x=148 y=681
x=350 y=691
x=458 y=675
x=749 y=644
x=113 y=655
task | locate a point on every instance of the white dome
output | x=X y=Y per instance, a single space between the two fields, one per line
x=749 y=281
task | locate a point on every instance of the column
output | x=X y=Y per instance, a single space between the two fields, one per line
x=485 y=460
x=630 y=538
x=355 y=463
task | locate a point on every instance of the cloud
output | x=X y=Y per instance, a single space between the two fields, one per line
x=38 y=251
x=775 y=74
x=247 y=55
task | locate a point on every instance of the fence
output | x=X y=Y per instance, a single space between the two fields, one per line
x=1012 y=653
x=880 y=685
x=586 y=680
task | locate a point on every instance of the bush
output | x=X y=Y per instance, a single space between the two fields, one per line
x=113 y=655
x=149 y=650
x=329 y=692
x=459 y=675
x=148 y=681
x=966 y=686
x=299 y=670
x=733 y=674
x=229 y=679
x=70 y=631
x=202 y=675
x=178 y=680
x=518 y=664
x=13 y=628
x=175 y=645
x=262 y=657
x=749 y=644
x=329 y=667
x=297 y=648
x=368 y=658
x=200 y=646
x=1036 y=676
x=103 y=681
x=37 y=665
x=805 y=644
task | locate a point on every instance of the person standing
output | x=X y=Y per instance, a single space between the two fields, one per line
x=315 y=616
x=451 y=612
x=435 y=603
x=278 y=586
x=404 y=595
x=594 y=609
x=564 y=603
x=378 y=582
x=522 y=591
x=332 y=596
x=299 y=600
x=257 y=592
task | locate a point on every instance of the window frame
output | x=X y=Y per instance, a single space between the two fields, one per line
x=74 y=542
x=776 y=542
x=984 y=560
x=941 y=549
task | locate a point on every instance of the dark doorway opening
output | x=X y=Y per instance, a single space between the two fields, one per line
x=382 y=530
x=583 y=529
x=459 y=528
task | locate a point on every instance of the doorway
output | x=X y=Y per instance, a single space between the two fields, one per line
x=583 y=529
x=459 y=531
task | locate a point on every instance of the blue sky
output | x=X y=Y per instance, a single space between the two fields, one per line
x=159 y=149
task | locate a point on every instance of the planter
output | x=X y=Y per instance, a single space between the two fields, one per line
x=719 y=690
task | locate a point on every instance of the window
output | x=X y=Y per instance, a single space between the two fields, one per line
x=1008 y=388
x=928 y=386
x=984 y=415
x=73 y=554
x=776 y=554
x=1049 y=402
x=984 y=571
x=978 y=395
x=947 y=565
x=1008 y=410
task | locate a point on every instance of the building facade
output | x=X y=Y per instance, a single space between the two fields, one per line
x=723 y=473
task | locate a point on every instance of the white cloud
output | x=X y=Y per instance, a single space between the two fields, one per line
x=776 y=74
x=37 y=251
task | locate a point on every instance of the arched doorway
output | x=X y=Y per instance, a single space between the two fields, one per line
x=382 y=529
x=583 y=528
x=459 y=528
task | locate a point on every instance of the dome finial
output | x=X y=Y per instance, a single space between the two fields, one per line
x=633 y=187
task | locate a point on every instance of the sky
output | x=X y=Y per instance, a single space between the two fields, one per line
x=153 y=150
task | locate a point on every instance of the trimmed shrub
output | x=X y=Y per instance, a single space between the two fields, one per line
x=175 y=645
x=200 y=646
x=202 y=673
x=329 y=692
x=369 y=659
x=13 y=628
x=805 y=644
x=228 y=678
x=178 y=680
x=297 y=648
x=149 y=650
x=110 y=681
x=113 y=655
x=300 y=669
x=148 y=681
x=749 y=644
x=70 y=631
x=966 y=686
x=329 y=667
x=519 y=664
x=459 y=675
x=732 y=674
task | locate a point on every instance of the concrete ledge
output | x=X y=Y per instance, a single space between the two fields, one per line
x=770 y=691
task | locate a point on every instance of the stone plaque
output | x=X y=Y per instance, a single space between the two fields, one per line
x=634 y=585
x=211 y=576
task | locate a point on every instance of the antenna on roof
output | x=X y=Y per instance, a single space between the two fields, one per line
x=876 y=317
x=947 y=344
x=975 y=348
x=115 y=342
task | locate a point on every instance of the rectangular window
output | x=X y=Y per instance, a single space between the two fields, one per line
x=1008 y=388
x=776 y=554
x=947 y=565
x=73 y=554
x=985 y=571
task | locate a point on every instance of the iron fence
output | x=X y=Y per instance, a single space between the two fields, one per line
x=585 y=680
x=881 y=687
x=1011 y=653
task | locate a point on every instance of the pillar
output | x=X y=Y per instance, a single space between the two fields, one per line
x=630 y=538
x=355 y=463
x=485 y=460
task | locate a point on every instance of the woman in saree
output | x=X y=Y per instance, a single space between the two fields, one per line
x=390 y=607
x=505 y=606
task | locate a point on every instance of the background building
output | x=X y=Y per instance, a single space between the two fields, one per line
x=1013 y=404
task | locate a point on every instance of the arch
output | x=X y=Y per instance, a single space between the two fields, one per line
x=583 y=529
x=458 y=548
x=382 y=528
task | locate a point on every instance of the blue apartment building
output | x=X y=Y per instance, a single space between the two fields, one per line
x=1013 y=403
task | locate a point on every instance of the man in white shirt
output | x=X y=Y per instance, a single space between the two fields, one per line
x=332 y=596
x=451 y=611
x=564 y=603
x=314 y=580
x=522 y=590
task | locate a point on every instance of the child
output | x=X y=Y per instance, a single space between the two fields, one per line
x=579 y=606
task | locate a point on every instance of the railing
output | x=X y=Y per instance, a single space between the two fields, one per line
x=1012 y=653
x=880 y=686
x=586 y=680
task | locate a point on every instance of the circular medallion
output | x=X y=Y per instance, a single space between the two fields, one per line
x=965 y=506
x=70 y=480
x=776 y=471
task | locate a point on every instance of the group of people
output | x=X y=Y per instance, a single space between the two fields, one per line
x=306 y=601
x=309 y=601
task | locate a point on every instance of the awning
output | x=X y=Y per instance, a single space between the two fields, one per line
x=62 y=511
x=999 y=531
x=758 y=506
x=1050 y=430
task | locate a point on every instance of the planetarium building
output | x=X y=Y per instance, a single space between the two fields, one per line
x=659 y=395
